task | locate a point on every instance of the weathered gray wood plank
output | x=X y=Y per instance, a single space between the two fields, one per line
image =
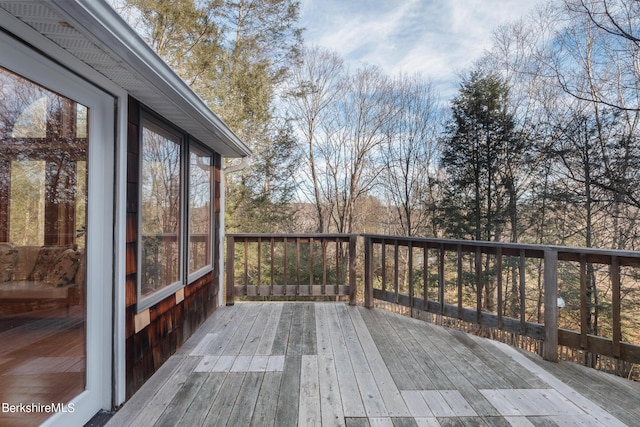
x=423 y=333
x=518 y=422
x=542 y=421
x=265 y=347
x=397 y=353
x=309 y=346
x=152 y=410
x=357 y=422
x=224 y=401
x=487 y=421
x=371 y=397
x=251 y=342
x=296 y=331
x=287 y=409
x=309 y=413
x=352 y=404
x=237 y=340
x=416 y=404
x=203 y=400
x=264 y=413
x=619 y=396
x=218 y=338
x=281 y=339
x=182 y=400
x=218 y=317
x=450 y=422
x=323 y=338
x=466 y=363
x=330 y=400
x=247 y=397
x=271 y=376
x=515 y=374
x=388 y=390
x=404 y=422
x=427 y=422
x=579 y=400
x=381 y=422
x=126 y=415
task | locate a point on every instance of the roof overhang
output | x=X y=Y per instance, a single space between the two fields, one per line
x=94 y=33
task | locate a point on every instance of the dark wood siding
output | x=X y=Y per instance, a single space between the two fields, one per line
x=170 y=323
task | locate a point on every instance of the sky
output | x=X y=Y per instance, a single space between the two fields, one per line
x=439 y=38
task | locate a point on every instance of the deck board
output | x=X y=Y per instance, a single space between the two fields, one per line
x=329 y=364
x=264 y=412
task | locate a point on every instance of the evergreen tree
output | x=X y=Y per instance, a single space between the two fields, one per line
x=480 y=142
x=233 y=54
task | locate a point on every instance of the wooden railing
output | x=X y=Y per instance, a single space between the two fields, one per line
x=501 y=286
x=276 y=265
x=450 y=296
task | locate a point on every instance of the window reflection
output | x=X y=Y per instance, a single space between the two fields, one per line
x=160 y=209
x=43 y=202
x=200 y=184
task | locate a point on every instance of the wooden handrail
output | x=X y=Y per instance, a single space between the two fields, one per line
x=291 y=260
x=288 y=285
x=548 y=332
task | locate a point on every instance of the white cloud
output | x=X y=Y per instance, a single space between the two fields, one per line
x=436 y=37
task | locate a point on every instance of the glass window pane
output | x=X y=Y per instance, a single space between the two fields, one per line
x=160 y=208
x=200 y=184
x=43 y=203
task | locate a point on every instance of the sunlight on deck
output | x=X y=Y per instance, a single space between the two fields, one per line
x=329 y=364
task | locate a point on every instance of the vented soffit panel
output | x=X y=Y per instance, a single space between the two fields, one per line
x=94 y=33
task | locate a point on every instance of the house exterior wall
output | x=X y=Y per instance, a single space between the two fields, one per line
x=154 y=334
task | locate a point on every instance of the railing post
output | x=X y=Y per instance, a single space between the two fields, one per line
x=230 y=267
x=368 y=272
x=353 y=289
x=550 y=350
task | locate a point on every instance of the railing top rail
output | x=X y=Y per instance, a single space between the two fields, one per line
x=291 y=235
x=567 y=253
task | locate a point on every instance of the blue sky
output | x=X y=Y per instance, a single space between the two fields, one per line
x=438 y=38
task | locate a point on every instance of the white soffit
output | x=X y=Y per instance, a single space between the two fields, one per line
x=94 y=33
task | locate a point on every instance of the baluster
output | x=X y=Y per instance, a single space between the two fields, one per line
x=615 y=302
x=459 y=281
x=479 y=284
x=583 y=302
x=550 y=351
x=231 y=251
x=396 y=275
x=499 y=284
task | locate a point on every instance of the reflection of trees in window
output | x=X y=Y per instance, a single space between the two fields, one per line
x=160 y=210
x=27 y=202
x=42 y=164
x=200 y=184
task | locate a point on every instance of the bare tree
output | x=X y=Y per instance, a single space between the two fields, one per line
x=353 y=140
x=314 y=86
x=409 y=154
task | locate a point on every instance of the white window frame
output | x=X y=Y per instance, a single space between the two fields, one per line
x=185 y=277
x=157 y=125
x=195 y=275
x=30 y=64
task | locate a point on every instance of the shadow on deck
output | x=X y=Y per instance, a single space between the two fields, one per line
x=330 y=364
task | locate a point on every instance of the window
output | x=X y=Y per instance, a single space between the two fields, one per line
x=200 y=185
x=160 y=208
x=43 y=255
x=176 y=189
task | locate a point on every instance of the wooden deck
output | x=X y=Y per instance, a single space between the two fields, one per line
x=330 y=364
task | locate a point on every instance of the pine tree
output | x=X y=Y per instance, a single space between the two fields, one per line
x=478 y=145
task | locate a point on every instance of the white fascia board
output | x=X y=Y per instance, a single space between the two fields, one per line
x=97 y=21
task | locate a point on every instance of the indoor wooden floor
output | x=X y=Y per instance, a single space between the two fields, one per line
x=329 y=364
x=41 y=361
